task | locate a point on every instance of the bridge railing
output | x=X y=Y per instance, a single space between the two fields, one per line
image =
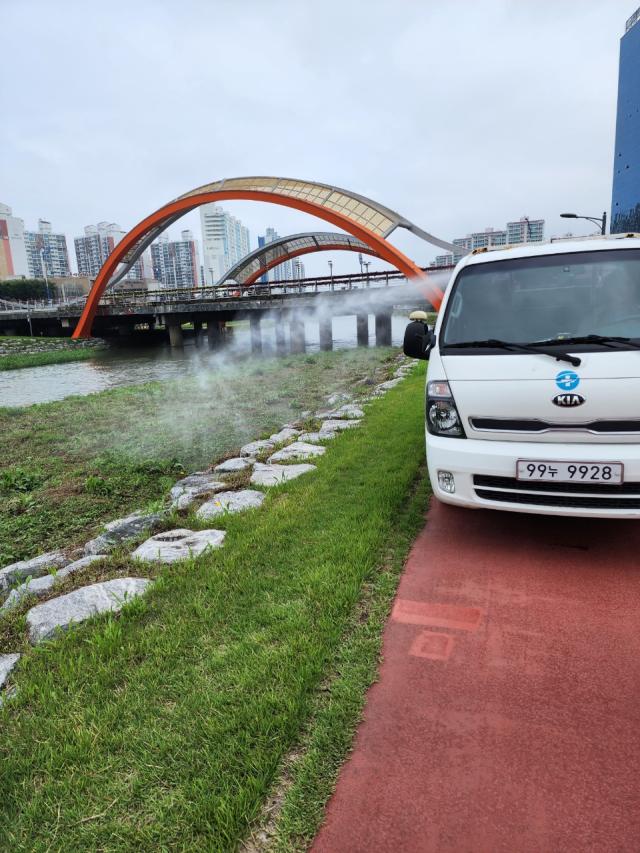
x=275 y=291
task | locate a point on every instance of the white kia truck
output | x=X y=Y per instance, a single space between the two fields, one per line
x=533 y=387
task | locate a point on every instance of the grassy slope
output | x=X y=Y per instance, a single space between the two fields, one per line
x=38 y=359
x=15 y=351
x=164 y=729
x=69 y=466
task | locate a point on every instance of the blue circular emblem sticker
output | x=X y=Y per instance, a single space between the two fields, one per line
x=567 y=380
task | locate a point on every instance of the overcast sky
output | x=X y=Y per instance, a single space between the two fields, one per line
x=458 y=115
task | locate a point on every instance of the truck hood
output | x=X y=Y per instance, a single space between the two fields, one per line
x=511 y=396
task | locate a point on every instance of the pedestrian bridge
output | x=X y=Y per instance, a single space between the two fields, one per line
x=166 y=313
x=363 y=218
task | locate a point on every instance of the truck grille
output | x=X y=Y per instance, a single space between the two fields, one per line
x=537 y=426
x=571 y=495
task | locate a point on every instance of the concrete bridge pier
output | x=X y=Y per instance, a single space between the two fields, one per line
x=296 y=334
x=383 y=330
x=281 y=341
x=215 y=329
x=197 y=332
x=256 y=333
x=175 y=333
x=325 y=325
x=362 y=329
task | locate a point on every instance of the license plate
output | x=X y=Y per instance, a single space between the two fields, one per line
x=569 y=472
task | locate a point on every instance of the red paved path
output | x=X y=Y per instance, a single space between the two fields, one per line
x=507 y=715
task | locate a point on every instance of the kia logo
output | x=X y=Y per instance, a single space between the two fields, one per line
x=568 y=400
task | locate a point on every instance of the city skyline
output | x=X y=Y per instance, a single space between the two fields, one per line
x=542 y=152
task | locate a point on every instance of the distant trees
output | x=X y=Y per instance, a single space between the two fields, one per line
x=21 y=289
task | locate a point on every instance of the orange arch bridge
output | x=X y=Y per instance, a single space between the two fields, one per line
x=359 y=216
x=249 y=269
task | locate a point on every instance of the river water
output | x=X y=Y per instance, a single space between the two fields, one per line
x=124 y=366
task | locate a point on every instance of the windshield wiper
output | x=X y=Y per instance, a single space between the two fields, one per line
x=511 y=345
x=605 y=340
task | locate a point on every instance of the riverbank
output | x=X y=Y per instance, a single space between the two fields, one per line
x=69 y=466
x=167 y=727
x=18 y=352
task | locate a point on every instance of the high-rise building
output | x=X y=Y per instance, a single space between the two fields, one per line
x=94 y=248
x=523 y=230
x=13 y=255
x=46 y=251
x=297 y=269
x=284 y=271
x=176 y=263
x=225 y=241
x=625 y=201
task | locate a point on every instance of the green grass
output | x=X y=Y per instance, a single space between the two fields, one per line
x=309 y=780
x=17 y=351
x=165 y=728
x=67 y=467
x=38 y=359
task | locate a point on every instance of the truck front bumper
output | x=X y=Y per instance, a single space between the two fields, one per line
x=484 y=472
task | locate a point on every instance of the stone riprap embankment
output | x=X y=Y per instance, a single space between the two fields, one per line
x=39 y=576
x=29 y=346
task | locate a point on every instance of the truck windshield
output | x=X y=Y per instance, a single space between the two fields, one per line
x=548 y=298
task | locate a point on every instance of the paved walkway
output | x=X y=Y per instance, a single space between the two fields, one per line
x=507 y=715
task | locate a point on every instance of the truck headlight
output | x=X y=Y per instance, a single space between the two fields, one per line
x=442 y=414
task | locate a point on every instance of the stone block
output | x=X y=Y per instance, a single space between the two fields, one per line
x=255 y=447
x=35 y=568
x=179 y=544
x=285 y=434
x=274 y=475
x=41 y=586
x=297 y=450
x=230 y=502
x=121 y=530
x=187 y=490
x=334 y=425
x=7 y=663
x=44 y=620
x=238 y=463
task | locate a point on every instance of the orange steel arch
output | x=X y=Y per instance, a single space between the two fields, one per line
x=172 y=211
x=306 y=250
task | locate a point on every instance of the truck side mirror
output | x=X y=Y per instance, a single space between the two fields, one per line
x=418 y=340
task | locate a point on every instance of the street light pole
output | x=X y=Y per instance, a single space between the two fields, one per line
x=331 y=272
x=597 y=220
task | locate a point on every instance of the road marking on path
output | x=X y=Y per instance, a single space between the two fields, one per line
x=436 y=615
x=429 y=644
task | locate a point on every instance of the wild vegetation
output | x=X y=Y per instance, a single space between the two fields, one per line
x=69 y=466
